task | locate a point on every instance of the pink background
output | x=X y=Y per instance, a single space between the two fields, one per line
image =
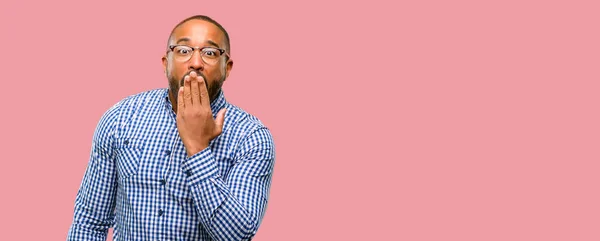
x=436 y=120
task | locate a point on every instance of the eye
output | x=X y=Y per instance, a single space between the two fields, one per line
x=211 y=52
x=183 y=50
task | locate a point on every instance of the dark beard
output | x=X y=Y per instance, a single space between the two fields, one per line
x=213 y=90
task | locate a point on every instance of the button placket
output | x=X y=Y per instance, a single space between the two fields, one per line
x=168 y=155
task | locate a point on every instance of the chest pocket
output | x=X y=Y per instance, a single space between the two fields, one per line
x=128 y=153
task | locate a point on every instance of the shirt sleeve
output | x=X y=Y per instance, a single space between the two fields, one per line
x=95 y=199
x=231 y=207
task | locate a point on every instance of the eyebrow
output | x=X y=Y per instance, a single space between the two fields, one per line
x=213 y=43
x=184 y=39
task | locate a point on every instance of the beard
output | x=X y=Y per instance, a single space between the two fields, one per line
x=213 y=89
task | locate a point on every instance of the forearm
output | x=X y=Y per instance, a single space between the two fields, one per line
x=221 y=213
x=83 y=231
x=225 y=215
x=94 y=204
x=89 y=223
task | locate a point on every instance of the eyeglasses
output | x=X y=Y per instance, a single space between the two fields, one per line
x=210 y=55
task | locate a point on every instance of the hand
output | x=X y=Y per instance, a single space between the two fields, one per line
x=194 y=116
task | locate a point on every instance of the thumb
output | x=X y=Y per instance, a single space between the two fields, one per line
x=180 y=104
x=220 y=120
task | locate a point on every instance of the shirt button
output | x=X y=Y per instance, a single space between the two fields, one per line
x=160 y=212
x=126 y=142
x=188 y=173
x=163 y=182
x=167 y=152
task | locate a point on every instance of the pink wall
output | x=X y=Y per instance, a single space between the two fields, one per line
x=436 y=120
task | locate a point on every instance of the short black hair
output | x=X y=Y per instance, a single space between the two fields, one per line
x=227 y=47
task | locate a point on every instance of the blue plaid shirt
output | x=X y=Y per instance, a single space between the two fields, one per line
x=140 y=180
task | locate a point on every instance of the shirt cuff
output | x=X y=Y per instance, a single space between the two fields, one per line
x=200 y=167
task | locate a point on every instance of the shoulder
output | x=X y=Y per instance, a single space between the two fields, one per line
x=134 y=102
x=247 y=128
x=125 y=108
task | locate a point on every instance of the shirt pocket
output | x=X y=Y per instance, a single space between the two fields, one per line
x=128 y=153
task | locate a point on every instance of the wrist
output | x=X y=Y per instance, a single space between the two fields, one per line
x=194 y=149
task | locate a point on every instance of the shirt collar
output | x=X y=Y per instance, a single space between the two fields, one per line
x=215 y=105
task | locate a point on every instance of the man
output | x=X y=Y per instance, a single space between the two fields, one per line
x=180 y=163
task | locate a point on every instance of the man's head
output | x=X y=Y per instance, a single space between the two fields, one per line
x=209 y=57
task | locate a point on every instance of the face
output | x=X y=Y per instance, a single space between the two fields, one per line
x=197 y=33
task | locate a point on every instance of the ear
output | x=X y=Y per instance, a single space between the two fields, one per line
x=228 y=67
x=164 y=63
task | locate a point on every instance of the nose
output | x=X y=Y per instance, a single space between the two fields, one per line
x=196 y=62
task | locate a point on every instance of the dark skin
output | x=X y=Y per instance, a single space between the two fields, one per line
x=201 y=82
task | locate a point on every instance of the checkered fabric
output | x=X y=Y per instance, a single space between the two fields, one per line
x=140 y=181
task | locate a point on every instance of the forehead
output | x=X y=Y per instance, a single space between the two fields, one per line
x=198 y=32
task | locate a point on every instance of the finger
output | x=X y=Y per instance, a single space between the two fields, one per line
x=204 y=99
x=180 y=104
x=220 y=121
x=195 y=90
x=187 y=94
